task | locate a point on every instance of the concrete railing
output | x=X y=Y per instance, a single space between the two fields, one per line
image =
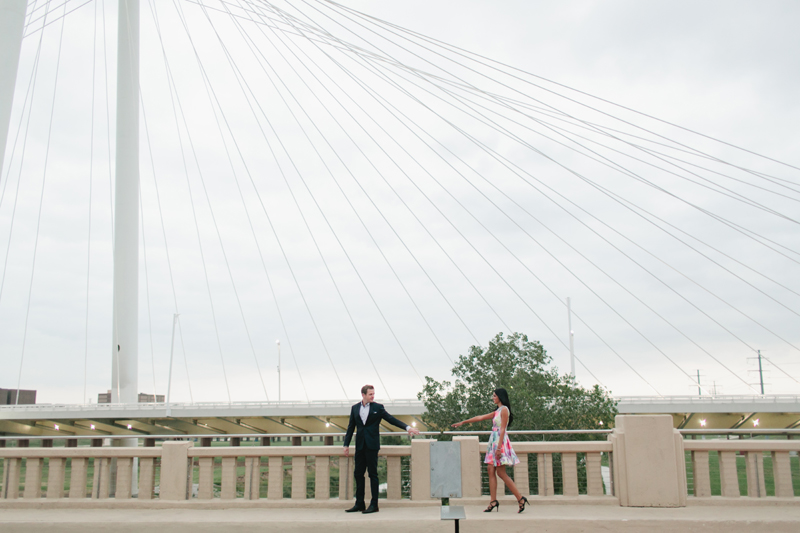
x=642 y=463
x=726 y=457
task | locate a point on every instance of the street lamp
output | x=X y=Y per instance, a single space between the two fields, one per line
x=278 y=342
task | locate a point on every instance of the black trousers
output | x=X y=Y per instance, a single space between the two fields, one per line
x=366 y=461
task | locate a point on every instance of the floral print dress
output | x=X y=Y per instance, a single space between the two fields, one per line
x=508 y=457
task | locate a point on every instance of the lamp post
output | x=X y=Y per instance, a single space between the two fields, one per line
x=279 y=369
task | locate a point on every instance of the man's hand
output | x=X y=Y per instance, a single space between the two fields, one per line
x=413 y=431
x=347 y=450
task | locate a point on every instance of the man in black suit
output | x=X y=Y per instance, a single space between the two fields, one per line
x=366 y=415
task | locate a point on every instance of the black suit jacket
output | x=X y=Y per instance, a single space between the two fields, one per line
x=368 y=435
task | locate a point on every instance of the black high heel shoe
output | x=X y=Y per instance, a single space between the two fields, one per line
x=522 y=503
x=494 y=504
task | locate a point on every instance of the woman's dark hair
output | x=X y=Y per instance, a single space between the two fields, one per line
x=502 y=395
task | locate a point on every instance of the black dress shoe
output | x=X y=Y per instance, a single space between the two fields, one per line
x=373 y=508
x=355 y=509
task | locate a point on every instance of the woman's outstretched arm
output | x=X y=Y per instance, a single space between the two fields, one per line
x=478 y=418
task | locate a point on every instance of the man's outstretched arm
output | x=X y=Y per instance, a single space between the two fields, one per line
x=399 y=423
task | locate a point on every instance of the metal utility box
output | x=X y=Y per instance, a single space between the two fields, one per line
x=445 y=470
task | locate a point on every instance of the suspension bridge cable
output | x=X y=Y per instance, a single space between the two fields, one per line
x=160 y=210
x=489 y=62
x=527 y=95
x=625 y=170
x=175 y=109
x=302 y=295
x=364 y=225
x=778 y=252
x=543 y=183
x=545 y=323
x=534 y=311
x=147 y=295
x=581 y=362
x=39 y=215
x=44 y=25
x=89 y=236
x=224 y=254
x=211 y=93
x=319 y=251
x=29 y=93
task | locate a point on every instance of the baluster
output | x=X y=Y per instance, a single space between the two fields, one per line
x=102 y=476
x=298 y=478
x=228 y=478
x=729 y=480
x=569 y=473
x=782 y=469
x=755 y=475
x=702 y=474
x=594 y=474
x=544 y=462
x=147 y=477
x=521 y=475
x=275 y=487
x=205 y=490
x=77 y=478
x=346 y=479
x=11 y=478
x=252 y=478
x=55 y=477
x=33 y=478
x=322 y=478
x=394 y=478
x=124 y=473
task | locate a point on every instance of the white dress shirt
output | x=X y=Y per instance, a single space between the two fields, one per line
x=364 y=412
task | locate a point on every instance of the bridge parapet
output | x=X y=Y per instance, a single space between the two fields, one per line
x=313 y=473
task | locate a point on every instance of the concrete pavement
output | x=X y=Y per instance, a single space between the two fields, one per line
x=539 y=518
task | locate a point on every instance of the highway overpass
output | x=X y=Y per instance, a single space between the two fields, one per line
x=260 y=418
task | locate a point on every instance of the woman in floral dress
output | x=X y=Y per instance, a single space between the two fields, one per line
x=499 y=453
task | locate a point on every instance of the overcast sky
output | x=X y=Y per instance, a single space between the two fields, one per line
x=398 y=203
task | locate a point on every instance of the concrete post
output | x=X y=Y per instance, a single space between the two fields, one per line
x=421 y=469
x=755 y=475
x=649 y=463
x=322 y=478
x=702 y=474
x=11 y=470
x=728 y=477
x=33 y=478
x=470 y=466
x=175 y=470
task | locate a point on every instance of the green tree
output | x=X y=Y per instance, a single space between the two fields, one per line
x=540 y=397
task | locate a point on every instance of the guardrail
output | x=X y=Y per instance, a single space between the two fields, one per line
x=640 y=454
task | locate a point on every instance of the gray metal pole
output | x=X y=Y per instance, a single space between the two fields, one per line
x=171 y=353
x=760 y=373
x=125 y=319
x=699 y=390
x=571 y=340
x=12 y=24
x=279 y=369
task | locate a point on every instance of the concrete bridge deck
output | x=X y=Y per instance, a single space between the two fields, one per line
x=726 y=517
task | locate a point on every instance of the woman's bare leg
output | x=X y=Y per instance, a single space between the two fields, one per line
x=508 y=481
x=492 y=482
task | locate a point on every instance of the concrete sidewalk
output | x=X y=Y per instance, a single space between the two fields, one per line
x=551 y=518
